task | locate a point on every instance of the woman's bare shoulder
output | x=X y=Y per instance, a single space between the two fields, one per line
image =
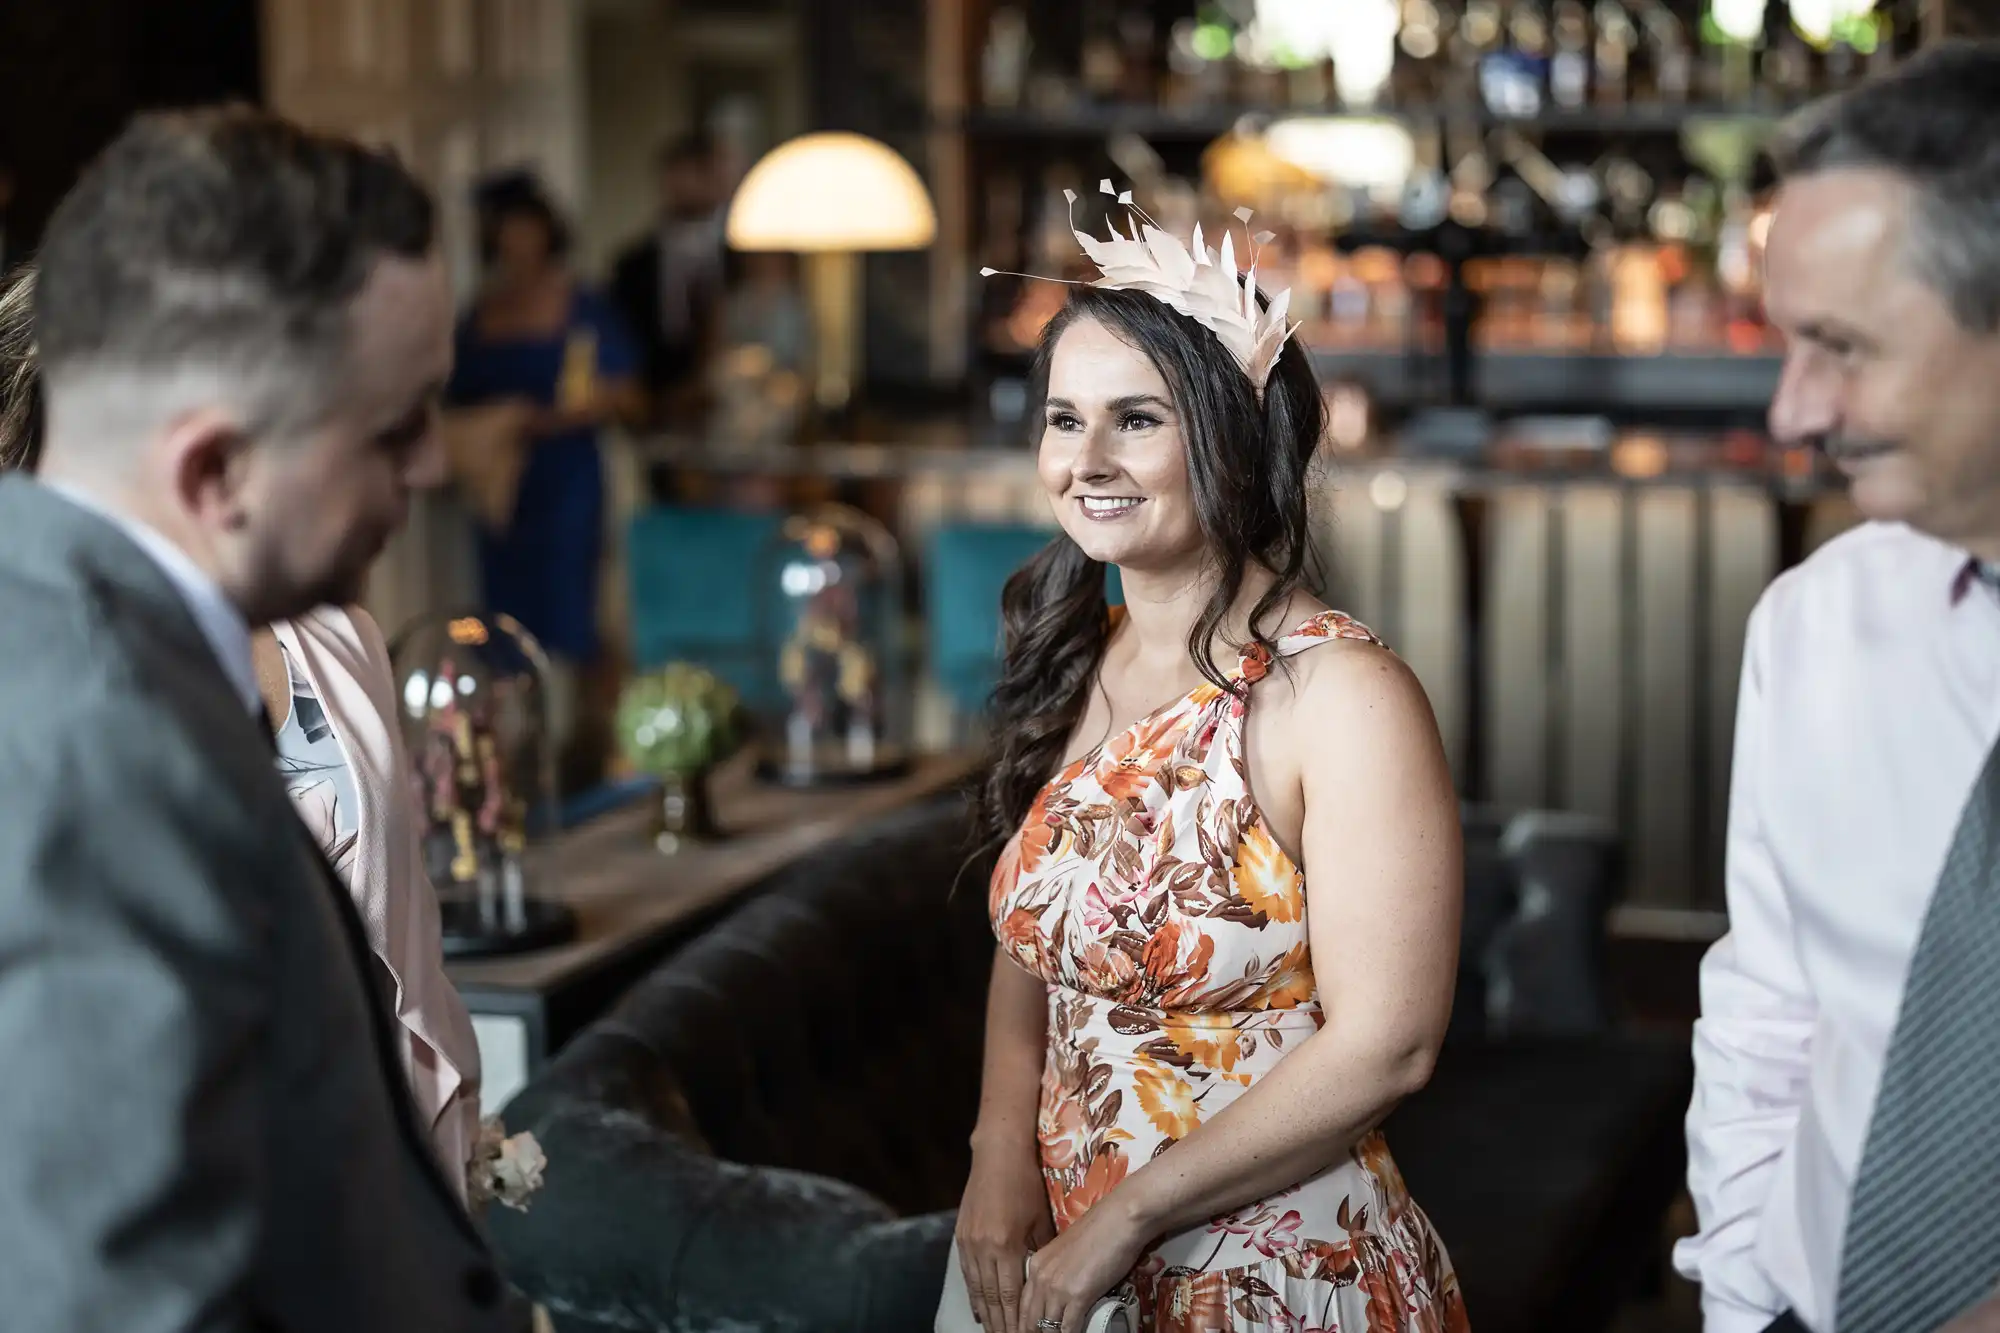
x=1359 y=684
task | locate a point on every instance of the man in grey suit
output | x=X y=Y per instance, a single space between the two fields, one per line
x=244 y=330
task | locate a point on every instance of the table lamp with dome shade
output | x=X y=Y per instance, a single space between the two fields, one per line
x=831 y=197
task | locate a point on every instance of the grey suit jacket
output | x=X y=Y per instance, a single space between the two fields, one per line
x=202 y=1121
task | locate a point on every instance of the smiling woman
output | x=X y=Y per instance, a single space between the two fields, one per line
x=1187 y=1050
x=1137 y=399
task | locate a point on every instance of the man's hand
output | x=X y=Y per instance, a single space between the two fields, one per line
x=1981 y=1318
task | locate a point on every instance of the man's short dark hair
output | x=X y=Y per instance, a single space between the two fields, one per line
x=1935 y=120
x=226 y=238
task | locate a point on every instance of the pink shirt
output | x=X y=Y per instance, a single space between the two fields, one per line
x=343 y=657
x=1870 y=697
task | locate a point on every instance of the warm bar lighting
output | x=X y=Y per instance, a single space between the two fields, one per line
x=831 y=191
x=1362 y=153
x=832 y=196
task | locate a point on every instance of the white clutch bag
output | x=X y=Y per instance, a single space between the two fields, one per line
x=1110 y=1315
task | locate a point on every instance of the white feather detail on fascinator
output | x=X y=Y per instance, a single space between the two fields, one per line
x=1200 y=283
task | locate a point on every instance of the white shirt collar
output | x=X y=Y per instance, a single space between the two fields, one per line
x=214 y=614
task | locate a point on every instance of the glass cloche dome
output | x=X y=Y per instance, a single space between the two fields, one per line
x=839 y=706
x=474 y=691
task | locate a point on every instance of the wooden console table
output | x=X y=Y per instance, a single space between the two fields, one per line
x=633 y=904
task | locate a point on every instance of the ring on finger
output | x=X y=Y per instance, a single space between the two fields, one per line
x=1048 y=1326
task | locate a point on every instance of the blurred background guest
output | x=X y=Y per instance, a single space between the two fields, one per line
x=668 y=283
x=757 y=379
x=764 y=308
x=538 y=337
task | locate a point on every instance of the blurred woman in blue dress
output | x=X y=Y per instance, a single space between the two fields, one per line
x=538 y=339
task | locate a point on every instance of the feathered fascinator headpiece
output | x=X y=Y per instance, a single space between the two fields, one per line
x=1200 y=283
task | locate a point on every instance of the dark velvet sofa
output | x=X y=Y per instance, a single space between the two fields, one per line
x=770 y=1130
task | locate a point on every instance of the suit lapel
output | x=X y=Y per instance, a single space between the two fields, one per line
x=382 y=1030
x=54 y=541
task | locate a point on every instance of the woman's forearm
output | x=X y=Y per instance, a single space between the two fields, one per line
x=1302 y=1117
x=615 y=402
x=1017 y=1020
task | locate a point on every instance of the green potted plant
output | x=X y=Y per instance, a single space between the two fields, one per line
x=676 y=724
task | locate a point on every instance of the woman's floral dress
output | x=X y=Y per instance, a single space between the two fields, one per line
x=1146 y=890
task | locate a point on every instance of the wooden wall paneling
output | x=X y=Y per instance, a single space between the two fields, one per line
x=454 y=37
x=457 y=87
x=948 y=25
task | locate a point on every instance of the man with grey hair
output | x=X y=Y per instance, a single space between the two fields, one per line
x=1844 y=1140
x=244 y=329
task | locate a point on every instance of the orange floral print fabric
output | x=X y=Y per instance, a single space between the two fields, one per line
x=1145 y=889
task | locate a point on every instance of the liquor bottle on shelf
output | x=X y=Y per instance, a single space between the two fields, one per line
x=1472 y=174
x=1569 y=67
x=1100 y=64
x=1418 y=76
x=1313 y=86
x=1638 y=299
x=1613 y=63
x=1665 y=42
x=1426 y=193
x=1450 y=73
x=1510 y=207
x=1786 y=69
x=1531 y=42
x=1727 y=72
x=1514 y=79
x=1477 y=35
x=1003 y=61
x=1736 y=267
x=1139 y=82
x=1480 y=33
x=1682 y=223
x=1528 y=28
x=1198 y=73
x=1630 y=190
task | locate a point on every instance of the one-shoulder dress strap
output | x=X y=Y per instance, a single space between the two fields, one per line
x=1316 y=629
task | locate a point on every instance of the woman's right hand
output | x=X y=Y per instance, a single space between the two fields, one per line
x=1003 y=1218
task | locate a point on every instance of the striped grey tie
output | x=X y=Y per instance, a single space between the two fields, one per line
x=1923 y=1234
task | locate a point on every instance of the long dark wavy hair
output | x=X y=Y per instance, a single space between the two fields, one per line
x=1248 y=464
x=20 y=375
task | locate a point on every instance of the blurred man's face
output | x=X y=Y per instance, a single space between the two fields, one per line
x=522 y=246
x=688 y=188
x=314 y=513
x=1878 y=372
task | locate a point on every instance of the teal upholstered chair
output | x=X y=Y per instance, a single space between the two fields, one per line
x=969 y=564
x=695 y=578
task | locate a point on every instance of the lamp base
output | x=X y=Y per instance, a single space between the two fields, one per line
x=833 y=289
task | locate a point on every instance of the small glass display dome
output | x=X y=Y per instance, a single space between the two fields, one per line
x=838 y=709
x=474 y=691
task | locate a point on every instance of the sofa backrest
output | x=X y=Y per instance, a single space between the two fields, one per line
x=833 y=1023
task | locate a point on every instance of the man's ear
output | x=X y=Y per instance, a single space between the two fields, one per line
x=209 y=453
